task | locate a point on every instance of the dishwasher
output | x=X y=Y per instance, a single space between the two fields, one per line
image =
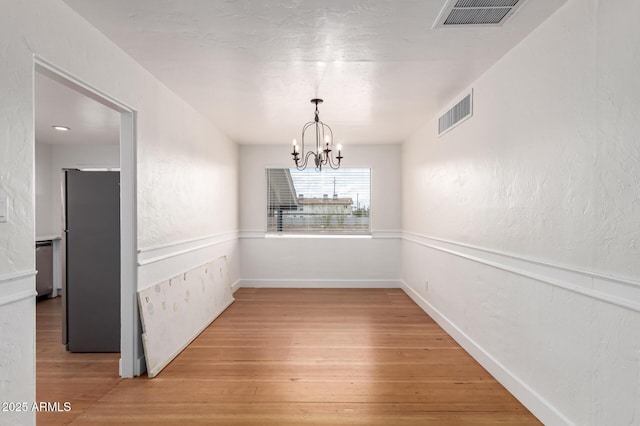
x=44 y=266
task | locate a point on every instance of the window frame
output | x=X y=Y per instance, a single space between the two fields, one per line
x=366 y=234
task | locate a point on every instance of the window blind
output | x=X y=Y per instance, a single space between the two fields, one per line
x=312 y=202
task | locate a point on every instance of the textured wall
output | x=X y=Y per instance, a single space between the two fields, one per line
x=320 y=261
x=546 y=170
x=187 y=175
x=517 y=176
x=186 y=168
x=44 y=190
x=17 y=376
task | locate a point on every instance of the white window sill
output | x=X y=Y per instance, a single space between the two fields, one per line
x=345 y=236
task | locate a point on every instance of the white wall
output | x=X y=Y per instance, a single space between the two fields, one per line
x=186 y=170
x=44 y=194
x=50 y=160
x=318 y=261
x=524 y=220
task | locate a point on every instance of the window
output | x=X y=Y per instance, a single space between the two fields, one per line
x=312 y=202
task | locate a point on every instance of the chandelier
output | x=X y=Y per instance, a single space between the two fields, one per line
x=323 y=154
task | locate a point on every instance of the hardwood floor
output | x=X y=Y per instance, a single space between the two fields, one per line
x=61 y=376
x=287 y=357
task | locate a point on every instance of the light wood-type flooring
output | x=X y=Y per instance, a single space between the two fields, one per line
x=286 y=357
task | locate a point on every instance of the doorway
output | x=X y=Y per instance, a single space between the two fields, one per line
x=131 y=359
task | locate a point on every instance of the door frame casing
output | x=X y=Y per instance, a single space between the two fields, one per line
x=131 y=352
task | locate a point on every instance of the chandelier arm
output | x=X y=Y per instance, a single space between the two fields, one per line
x=309 y=123
x=304 y=129
x=332 y=162
x=336 y=167
x=328 y=151
x=326 y=126
x=306 y=161
x=323 y=146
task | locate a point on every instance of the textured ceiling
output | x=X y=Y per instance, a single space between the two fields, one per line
x=90 y=122
x=252 y=66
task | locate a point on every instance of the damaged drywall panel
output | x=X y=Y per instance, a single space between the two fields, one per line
x=174 y=312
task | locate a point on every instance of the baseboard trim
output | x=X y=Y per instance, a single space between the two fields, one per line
x=539 y=406
x=308 y=283
x=139 y=367
x=235 y=286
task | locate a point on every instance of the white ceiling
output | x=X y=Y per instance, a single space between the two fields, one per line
x=252 y=66
x=89 y=121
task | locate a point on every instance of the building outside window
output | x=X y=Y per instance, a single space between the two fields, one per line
x=311 y=202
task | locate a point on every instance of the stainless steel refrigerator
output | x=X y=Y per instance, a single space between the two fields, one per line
x=91 y=289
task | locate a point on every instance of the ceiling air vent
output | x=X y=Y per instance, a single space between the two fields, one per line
x=476 y=12
x=456 y=115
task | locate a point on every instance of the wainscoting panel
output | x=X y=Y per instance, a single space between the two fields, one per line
x=615 y=290
x=17 y=286
x=555 y=336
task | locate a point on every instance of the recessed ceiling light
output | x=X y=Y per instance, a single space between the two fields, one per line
x=61 y=128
